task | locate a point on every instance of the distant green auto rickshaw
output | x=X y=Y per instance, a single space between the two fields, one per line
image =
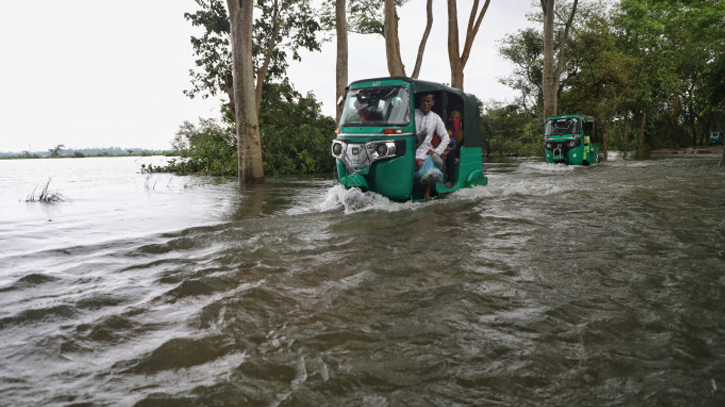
x=571 y=140
x=376 y=144
x=715 y=138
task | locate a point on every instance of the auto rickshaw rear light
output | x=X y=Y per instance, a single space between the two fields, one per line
x=393 y=131
x=586 y=139
x=337 y=130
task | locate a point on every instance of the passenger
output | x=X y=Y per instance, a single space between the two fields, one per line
x=450 y=156
x=455 y=120
x=428 y=124
x=453 y=153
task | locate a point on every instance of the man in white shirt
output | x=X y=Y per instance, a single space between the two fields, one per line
x=427 y=125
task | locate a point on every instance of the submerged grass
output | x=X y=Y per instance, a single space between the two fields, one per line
x=45 y=195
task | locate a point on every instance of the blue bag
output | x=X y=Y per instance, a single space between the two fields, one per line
x=428 y=173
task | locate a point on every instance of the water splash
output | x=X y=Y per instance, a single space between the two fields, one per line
x=354 y=200
x=529 y=167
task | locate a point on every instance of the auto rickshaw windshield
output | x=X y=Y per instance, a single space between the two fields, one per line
x=376 y=106
x=563 y=126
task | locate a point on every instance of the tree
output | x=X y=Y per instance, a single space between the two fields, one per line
x=457 y=58
x=379 y=17
x=424 y=39
x=213 y=52
x=259 y=52
x=284 y=27
x=341 y=68
x=249 y=147
x=392 y=41
x=55 y=152
x=550 y=79
x=296 y=136
x=677 y=44
x=524 y=49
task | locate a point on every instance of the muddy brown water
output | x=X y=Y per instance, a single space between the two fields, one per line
x=551 y=286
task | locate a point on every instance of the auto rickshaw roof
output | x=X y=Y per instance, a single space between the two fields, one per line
x=421 y=86
x=565 y=116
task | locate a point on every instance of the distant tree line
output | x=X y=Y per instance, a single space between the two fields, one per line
x=59 y=151
x=652 y=72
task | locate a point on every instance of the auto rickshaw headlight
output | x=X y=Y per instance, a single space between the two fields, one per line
x=384 y=149
x=336 y=148
x=548 y=145
x=572 y=144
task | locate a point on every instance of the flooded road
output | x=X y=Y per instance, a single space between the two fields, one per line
x=551 y=286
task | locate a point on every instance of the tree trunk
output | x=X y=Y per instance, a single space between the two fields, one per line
x=457 y=59
x=229 y=88
x=342 y=53
x=271 y=45
x=392 y=42
x=563 y=37
x=547 y=80
x=424 y=39
x=626 y=136
x=641 y=130
x=605 y=144
x=249 y=147
x=453 y=49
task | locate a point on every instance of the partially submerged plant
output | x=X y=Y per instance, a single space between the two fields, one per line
x=45 y=195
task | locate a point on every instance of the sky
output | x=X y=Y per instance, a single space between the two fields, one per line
x=101 y=73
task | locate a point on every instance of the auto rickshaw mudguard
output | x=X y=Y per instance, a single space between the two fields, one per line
x=394 y=178
x=355 y=180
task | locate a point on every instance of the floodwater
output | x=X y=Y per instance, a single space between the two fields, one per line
x=551 y=286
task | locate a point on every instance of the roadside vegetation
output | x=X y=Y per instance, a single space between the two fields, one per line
x=652 y=73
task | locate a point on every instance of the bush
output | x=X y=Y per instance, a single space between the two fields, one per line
x=295 y=138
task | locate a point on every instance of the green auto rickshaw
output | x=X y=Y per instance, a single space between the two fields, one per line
x=572 y=140
x=715 y=138
x=376 y=141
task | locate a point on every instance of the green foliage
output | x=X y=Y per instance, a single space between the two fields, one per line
x=210 y=149
x=296 y=27
x=55 y=152
x=510 y=131
x=658 y=59
x=525 y=49
x=296 y=139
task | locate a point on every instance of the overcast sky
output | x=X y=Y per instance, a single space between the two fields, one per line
x=101 y=73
